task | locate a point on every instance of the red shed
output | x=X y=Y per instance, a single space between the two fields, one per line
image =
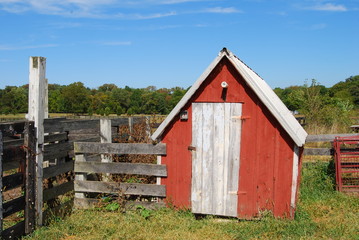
x=233 y=148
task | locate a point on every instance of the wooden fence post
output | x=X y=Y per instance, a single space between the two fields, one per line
x=106 y=137
x=148 y=127
x=30 y=177
x=37 y=96
x=1 y=207
x=130 y=126
x=79 y=177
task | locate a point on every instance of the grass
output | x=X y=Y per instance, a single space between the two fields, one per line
x=322 y=213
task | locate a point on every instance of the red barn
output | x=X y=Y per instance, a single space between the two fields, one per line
x=233 y=148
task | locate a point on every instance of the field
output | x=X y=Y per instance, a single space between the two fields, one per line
x=322 y=213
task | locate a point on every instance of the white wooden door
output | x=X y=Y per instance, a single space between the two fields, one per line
x=215 y=161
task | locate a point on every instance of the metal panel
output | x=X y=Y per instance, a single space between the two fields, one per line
x=215 y=164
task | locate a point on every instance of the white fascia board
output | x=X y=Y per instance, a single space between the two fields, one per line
x=271 y=101
x=156 y=135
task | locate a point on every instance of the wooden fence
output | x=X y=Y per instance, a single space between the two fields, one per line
x=13 y=182
x=18 y=151
x=83 y=166
x=329 y=151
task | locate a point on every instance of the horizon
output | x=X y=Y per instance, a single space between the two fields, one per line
x=169 y=43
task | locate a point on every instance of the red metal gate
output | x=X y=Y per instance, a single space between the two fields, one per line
x=346 y=153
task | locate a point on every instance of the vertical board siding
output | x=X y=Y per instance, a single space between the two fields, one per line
x=216 y=136
x=234 y=144
x=219 y=155
x=197 y=154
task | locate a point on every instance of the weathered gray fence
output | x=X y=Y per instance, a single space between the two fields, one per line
x=322 y=138
x=85 y=165
x=19 y=158
x=12 y=181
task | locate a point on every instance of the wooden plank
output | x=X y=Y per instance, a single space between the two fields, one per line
x=37 y=95
x=53 y=125
x=13 y=206
x=196 y=191
x=14 y=164
x=125 y=188
x=326 y=137
x=207 y=158
x=54 y=192
x=233 y=160
x=55 y=137
x=80 y=176
x=318 y=151
x=12 y=181
x=122 y=168
x=119 y=122
x=219 y=165
x=58 y=169
x=70 y=125
x=106 y=137
x=30 y=177
x=12 y=143
x=120 y=148
x=58 y=147
x=86 y=203
x=11 y=128
x=61 y=211
x=14 y=232
x=55 y=155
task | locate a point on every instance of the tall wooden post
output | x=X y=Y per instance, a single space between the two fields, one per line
x=37 y=96
x=30 y=177
x=1 y=207
x=106 y=137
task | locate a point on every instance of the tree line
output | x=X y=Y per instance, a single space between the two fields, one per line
x=318 y=103
x=332 y=107
x=107 y=99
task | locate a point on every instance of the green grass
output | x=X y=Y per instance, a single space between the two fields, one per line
x=322 y=214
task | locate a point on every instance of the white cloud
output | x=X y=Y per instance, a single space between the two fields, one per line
x=102 y=9
x=222 y=10
x=11 y=48
x=328 y=7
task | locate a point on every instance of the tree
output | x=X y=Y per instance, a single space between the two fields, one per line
x=76 y=98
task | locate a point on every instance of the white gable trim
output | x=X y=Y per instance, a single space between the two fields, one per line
x=258 y=85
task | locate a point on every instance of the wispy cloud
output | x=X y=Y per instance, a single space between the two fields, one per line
x=9 y=48
x=104 y=9
x=328 y=7
x=222 y=10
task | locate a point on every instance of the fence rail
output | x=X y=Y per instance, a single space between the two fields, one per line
x=323 y=138
x=83 y=167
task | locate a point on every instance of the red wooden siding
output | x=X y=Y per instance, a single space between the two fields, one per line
x=266 y=158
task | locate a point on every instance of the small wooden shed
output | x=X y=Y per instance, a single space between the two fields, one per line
x=233 y=148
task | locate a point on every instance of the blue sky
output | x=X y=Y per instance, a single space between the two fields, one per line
x=168 y=43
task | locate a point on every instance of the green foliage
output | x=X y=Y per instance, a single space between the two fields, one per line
x=324 y=108
x=113 y=206
x=107 y=99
